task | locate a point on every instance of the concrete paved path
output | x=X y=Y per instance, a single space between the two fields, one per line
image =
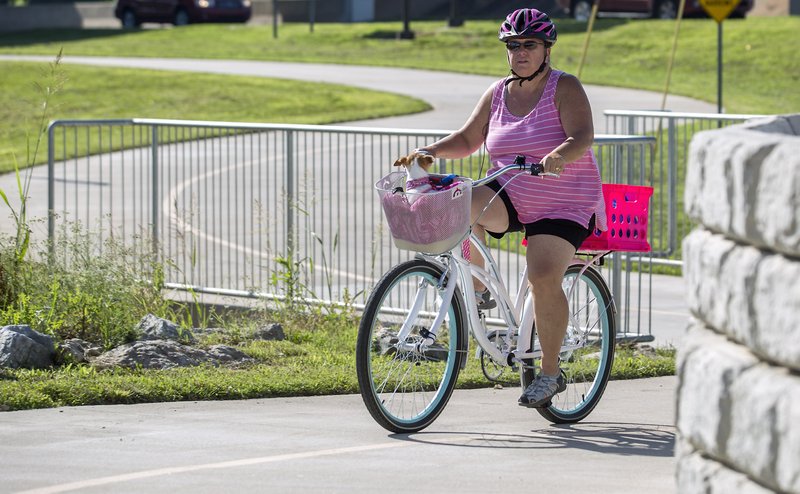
x=483 y=442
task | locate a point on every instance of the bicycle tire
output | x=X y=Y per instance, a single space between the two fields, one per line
x=406 y=390
x=587 y=369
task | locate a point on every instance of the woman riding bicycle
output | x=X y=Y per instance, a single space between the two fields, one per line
x=544 y=115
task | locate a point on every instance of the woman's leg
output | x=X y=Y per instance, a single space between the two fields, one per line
x=494 y=219
x=548 y=258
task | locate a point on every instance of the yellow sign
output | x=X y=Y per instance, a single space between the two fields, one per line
x=719 y=9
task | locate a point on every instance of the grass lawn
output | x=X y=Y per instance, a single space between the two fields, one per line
x=95 y=93
x=761 y=66
x=308 y=362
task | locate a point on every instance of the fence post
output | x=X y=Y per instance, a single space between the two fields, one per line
x=672 y=174
x=290 y=191
x=51 y=194
x=155 y=192
x=629 y=150
x=616 y=259
x=442 y=166
x=275 y=19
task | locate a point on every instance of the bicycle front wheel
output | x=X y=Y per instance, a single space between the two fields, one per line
x=406 y=385
x=588 y=350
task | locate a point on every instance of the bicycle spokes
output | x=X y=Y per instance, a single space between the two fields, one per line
x=410 y=344
x=588 y=349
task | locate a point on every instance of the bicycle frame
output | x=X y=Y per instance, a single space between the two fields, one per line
x=407 y=372
x=517 y=314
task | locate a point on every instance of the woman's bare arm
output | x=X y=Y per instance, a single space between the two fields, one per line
x=576 y=118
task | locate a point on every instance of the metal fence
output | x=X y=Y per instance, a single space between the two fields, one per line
x=260 y=210
x=674 y=132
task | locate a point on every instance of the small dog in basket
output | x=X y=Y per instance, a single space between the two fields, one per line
x=417 y=181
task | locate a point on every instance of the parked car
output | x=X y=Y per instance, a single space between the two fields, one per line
x=660 y=9
x=133 y=13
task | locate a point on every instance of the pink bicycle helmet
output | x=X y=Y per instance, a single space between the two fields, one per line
x=528 y=23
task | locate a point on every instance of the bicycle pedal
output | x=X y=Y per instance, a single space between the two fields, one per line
x=541 y=405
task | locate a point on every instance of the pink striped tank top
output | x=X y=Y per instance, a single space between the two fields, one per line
x=576 y=195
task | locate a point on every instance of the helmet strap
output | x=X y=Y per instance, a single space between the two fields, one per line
x=521 y=79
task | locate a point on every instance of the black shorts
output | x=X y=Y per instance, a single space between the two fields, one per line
x=570 y=231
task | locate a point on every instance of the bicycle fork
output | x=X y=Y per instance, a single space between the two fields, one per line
x=428 y=335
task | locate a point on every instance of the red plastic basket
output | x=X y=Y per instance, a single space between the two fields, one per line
x=626 y=212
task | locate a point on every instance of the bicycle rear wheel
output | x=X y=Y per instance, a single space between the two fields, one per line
x=405 y=386
x=591 y=336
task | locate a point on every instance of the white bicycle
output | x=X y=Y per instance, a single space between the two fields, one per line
x=414 y=333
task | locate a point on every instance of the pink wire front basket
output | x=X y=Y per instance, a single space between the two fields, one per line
x=432 y=222
x=627 y=214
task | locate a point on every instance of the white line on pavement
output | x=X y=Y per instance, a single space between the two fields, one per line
x=113 y=479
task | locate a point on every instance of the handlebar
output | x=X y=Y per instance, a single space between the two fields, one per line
x=536 y=169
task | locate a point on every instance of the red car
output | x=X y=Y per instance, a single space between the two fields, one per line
x=133 y=13
x=659 y=9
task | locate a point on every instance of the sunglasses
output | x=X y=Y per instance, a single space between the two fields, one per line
x=528 y=45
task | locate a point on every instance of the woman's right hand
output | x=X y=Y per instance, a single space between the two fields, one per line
x=554 y=163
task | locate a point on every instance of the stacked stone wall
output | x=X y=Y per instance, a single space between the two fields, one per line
x=738 y=410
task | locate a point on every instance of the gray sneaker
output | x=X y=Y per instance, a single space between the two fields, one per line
x=539 y=393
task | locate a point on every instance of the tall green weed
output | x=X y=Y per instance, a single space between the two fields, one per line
x=78 y=292
x=52 y=83
x=74 y=289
